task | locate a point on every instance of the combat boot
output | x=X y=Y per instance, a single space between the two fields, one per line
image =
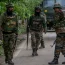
x=54 y=61
x=33 y=53
x=63 y=62
x=43 y=46
x=36 y=54
x=10 y=63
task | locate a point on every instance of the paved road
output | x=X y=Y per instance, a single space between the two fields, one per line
x=23 y=56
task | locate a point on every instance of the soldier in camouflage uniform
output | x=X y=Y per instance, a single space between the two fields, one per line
x=9 y=25
x=59 y=25
x=36 y=25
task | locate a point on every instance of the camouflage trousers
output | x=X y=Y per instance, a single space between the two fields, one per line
x=35 y=39
x=9 y=45
x=60 y=45
x=42 y=39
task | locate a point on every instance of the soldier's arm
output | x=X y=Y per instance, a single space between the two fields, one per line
x=16 y=29
x=61 y=17
x=56 y=21
x=44 y=24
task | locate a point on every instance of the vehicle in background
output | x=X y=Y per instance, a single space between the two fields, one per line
x=47 y=8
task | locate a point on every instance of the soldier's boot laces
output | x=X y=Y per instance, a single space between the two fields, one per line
x=54 y=61
x=10 y=63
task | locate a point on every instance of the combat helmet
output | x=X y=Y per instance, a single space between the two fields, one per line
x=57 y=5
x=9 y=5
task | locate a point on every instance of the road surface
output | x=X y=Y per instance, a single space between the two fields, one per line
x=23 y=56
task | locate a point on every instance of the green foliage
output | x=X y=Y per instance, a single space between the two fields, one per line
x=2 y=8
x=24 y=8
x=21 y=29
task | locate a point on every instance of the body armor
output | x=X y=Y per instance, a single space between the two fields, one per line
x=9 y=23
x=36 y=24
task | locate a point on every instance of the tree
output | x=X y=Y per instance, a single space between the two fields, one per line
x=24 y=8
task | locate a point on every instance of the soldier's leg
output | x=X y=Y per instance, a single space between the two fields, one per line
x=56 y=55
x=56 y=52
x=42 y=44
x=33 y=43
x=38 y=38
x=63 y=51
x=10 y=49
x=14 y=40
x=5 y=47
x=42 y=41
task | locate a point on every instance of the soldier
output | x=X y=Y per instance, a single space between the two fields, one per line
x=9 y=27
x=59 y=25
x=36 y=24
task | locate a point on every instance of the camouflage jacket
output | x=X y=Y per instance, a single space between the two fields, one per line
x=37 y=23
x=59 y=22
x=9 y=23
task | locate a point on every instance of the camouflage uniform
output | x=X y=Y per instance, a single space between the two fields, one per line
x=9 y=26
x=59 y=26
x=42 y=40
x=36 y=24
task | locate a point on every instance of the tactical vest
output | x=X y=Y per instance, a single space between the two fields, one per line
x=60 y=24
x=9 y=23
x=36 y=23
